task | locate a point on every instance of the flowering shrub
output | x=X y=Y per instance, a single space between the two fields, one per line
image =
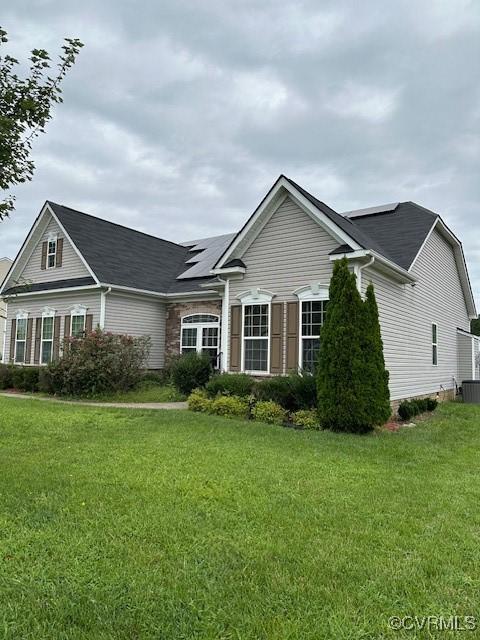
x=100 y=362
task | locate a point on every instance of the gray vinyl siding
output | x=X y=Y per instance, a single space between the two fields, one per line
x=406 y=317
x=72 y=265
x=62 y=303
x=465 y=357
x=290 y=252
x=4 y=267
x=138 y=316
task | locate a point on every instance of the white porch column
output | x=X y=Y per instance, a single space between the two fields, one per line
x=224 y=328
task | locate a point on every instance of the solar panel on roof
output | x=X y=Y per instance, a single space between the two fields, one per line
x=205 y=253
x=370 y=211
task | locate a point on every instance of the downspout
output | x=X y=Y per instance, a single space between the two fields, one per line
x=103 y=304
x=224 y=327
x=5 y=333
x=359 y=270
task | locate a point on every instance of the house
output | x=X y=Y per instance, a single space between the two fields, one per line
x=256 y=299
x=5 y=264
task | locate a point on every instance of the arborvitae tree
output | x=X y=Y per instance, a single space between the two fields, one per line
x=375 y=374
x=342 y=390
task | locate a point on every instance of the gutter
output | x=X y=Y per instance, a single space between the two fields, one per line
x=359 y=268
x=103 y=305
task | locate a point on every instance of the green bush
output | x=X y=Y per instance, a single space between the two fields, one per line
x=232 y=384
x=306 y=418
x=230 y=406
x=406 y=410
x=292 y=392
x=21 y=378
x=160 y=377
x=191 y=371
x=5 y=376
x=270 y=412
x=97 y=363
x=199 y=401
x=410 y=408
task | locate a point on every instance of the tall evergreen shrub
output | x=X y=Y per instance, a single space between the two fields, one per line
x=375 y=374
x=343 y=394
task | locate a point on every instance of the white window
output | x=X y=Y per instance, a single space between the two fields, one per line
x=256 y=334
x=46 y=338
x=78 y=321
x=21 y=337
x=51 y=252
x=312 y=319
x=313 y=301
x=434 y=344
x=200 y=333
x=255 y=351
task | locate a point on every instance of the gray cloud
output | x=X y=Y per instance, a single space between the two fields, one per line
x=179 y=115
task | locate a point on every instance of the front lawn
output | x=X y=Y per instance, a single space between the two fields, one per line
x=146 y=392
x=141 y=524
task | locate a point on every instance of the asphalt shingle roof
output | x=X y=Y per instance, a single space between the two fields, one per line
x=122 y=256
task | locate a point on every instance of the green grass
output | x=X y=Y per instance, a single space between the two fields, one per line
x=140 y=524
x=145 y=393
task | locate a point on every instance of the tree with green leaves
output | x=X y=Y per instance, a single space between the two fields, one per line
x=475 y=326
x=375 y=374
x=25 y=108
x=342 y=391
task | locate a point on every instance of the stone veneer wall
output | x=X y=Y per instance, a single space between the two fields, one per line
x=175 y=312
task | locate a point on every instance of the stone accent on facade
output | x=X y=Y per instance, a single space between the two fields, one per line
x=175 y=312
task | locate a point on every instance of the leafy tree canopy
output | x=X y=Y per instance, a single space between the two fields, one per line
x=25 y=108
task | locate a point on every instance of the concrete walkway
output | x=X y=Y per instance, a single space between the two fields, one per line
x=114 y=405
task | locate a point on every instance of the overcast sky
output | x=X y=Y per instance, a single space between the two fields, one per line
x=179 y=115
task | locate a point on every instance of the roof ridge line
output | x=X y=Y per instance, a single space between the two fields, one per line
x=115 y=224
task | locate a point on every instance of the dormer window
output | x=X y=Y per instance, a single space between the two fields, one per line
x=51 y=253
x=52 y=250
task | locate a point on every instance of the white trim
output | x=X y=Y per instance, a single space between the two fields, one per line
x=5 y=333
x=422 y=246
x=459 y=260
x=314 y=291
x=75 y=248
x=52 y=238
x=301 y=337
x=228 y=270
x=278 y=192
x=224 y=328
x=47 y=312
x=248 y=302
x=434 y=344
x=473 y=360
x=255 y=296
x=26 y=245
x=27 y=294
x=199 y=327
x=78 y=310
x=103 y=306
x=20 y=316
x=365 y=253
